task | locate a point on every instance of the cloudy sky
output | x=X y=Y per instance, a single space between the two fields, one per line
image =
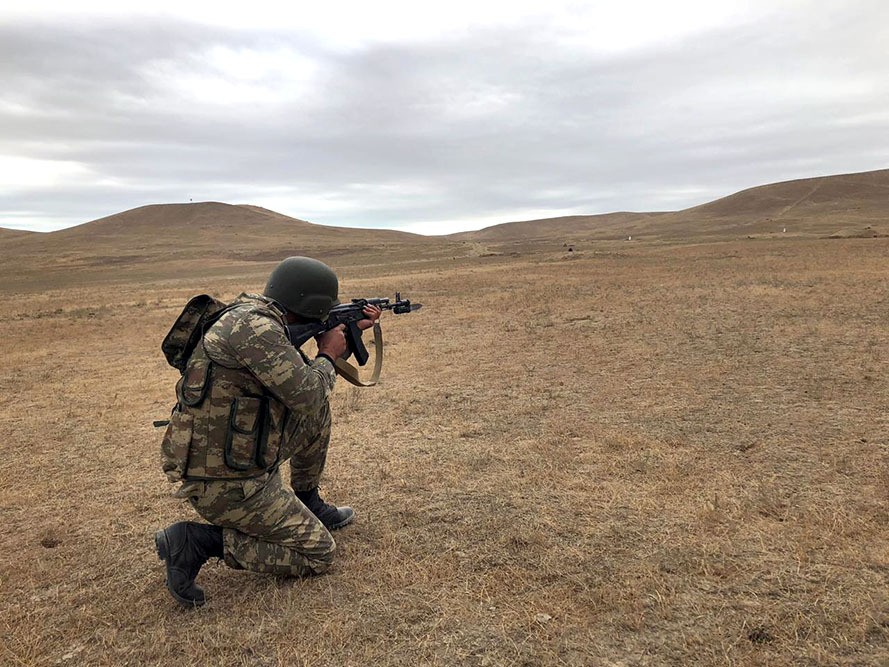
x=431 y=117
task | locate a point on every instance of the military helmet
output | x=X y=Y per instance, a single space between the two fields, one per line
x=304 y=286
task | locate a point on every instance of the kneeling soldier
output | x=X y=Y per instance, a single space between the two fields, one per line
x=248 y=401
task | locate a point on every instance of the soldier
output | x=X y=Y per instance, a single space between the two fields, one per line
x=248 y=401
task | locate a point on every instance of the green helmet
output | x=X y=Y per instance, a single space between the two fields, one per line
x=304 y=286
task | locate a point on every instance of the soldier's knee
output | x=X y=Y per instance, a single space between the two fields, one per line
x=322 y=559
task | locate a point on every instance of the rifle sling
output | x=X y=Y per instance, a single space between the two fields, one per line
x=351 y=374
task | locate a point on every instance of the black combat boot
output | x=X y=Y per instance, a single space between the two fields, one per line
x=185 y=547
x=331 y=516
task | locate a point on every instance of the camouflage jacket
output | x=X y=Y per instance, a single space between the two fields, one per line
x=242 y=396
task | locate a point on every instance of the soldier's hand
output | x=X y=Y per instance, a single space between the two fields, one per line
x=333 y=342
x=373 y=314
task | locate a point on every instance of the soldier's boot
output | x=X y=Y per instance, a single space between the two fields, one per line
x=331 y=516
x=185 y=547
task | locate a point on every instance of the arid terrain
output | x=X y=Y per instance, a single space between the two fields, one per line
x=584 y=450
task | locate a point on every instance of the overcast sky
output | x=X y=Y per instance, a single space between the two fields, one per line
x=432 y=117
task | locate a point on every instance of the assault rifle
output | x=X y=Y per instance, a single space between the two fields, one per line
x=349 y=314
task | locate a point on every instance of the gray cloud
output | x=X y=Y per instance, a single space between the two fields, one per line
x=491 y=123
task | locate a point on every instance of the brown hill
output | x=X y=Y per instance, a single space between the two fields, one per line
x=8 y=234
x=210 y=237
x=568 y=227
x=845 y=205
x=192 y=226
x=867 y=191
x=198 y=238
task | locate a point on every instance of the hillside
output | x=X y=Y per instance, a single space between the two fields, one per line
x=8 y=234
x=568 y=227
x=830 y=205
x=204 y=237
x=211 y=238
x=193 y=226
x=847 y=205
x=866 y=192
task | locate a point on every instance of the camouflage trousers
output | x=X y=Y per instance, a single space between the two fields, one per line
x=266 y=527
x=307 y=462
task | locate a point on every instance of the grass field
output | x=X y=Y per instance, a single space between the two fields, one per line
x=630 y=454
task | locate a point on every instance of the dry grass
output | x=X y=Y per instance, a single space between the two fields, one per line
x=631 y=455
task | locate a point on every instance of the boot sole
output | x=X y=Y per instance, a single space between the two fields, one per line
x=163 y=552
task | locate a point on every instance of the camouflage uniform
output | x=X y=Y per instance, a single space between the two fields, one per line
x=248 y=401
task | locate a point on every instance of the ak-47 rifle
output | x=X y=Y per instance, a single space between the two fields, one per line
x=350 y=314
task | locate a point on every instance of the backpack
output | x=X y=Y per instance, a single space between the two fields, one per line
x=197 y=316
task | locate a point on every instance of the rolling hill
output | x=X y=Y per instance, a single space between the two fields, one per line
x=199 y=238
x=212 y=237
x=844 y=205
x=8 y=234
x=207 y=225
x=569 y=227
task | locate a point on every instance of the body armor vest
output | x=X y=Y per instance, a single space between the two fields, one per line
x=226 y=425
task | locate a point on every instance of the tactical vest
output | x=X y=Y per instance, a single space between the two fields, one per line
x=225 y=424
